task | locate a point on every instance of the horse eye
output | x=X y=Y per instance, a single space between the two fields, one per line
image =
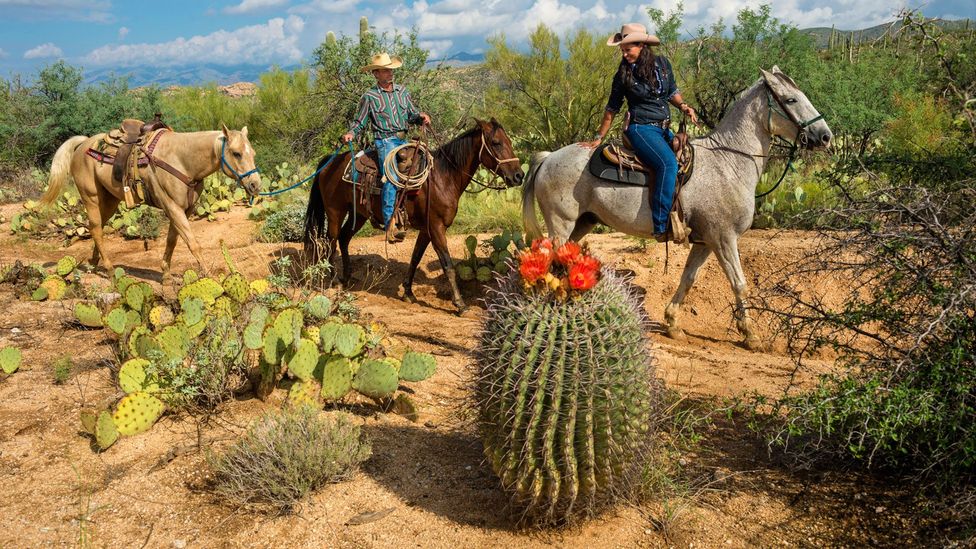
x=496 y=142
x=791 y=100
x=237 y=155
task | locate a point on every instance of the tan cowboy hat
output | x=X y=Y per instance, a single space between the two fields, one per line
x=383 y=61
x=632 y=33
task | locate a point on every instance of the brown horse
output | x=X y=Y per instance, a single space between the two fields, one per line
x=431 y=211
x=196 y=155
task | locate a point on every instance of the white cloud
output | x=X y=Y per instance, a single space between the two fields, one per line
x=326 y=6
x=437 y=48
x=3 y=54
x=44 y=50
x=247 y=6
x=123 y=32
x=273 y=42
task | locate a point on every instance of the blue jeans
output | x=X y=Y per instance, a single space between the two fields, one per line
x=383 y=148
x=653 y=146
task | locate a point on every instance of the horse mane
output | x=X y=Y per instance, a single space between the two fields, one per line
x=449 y=154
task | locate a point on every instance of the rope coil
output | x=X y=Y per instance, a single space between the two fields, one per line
x=403 y=180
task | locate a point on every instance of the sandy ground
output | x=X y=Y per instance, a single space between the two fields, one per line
x=55 y=491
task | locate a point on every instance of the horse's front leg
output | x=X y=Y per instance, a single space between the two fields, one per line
x=696 y=258
x=438 y=238
x=171 y=237
x=419 y=247
x=727 y=253
x=179 y=221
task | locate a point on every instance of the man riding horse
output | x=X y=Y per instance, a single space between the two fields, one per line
x=389 y=110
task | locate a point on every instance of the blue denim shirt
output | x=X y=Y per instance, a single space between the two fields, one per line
x=646 y=104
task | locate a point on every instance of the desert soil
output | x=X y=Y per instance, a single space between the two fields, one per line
x=56 y=491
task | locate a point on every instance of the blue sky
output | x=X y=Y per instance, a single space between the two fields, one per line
x=97 y=34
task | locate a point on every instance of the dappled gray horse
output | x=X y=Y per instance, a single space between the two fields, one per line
x=718 y=201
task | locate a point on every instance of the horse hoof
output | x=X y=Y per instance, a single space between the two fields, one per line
x=409 y=298
x=677 y=334
x=462 y=311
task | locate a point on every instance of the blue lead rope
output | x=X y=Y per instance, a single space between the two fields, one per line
x=303 y=181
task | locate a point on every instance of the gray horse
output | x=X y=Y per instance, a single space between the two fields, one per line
x=718 y=201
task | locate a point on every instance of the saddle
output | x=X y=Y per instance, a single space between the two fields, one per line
x=129 y=148
x=619 y=163
x=367 y=178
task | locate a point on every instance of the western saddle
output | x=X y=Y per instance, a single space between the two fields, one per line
x=625 y=159
x=129 y=148
x=369 y=182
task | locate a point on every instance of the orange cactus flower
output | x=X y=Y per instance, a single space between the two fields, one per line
x=533 y=265
x=568 y=253
x=542 y=245
x=583 y=275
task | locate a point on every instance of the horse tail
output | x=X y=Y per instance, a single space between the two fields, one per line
x=315 y=213
x=61 y=169
x=532 y=229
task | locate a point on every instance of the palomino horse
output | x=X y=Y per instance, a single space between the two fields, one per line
x=432 y=210
x=718 y=201
x=194 y=154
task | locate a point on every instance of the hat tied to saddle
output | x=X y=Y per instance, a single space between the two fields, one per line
x=633 y=33
x=383 y=61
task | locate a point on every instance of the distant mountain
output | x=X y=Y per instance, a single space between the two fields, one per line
x=822 y=34
x=182 y=76
x=459 y=59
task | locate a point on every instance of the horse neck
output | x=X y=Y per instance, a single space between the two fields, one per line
x=458 y=159
x=743 y=130
x=198 y=152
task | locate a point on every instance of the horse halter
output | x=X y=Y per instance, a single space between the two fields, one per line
x=223 y=162
x=780 y=109
x=498 y=162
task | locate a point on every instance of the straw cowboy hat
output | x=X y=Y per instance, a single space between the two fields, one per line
x=632 y=33
x=383 y=61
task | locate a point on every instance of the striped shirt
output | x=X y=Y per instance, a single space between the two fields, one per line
x=387 y=112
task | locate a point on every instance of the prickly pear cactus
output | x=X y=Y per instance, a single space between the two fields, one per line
x=10 y=359
x=319 y=307
x=65 y=265
x=105 y=431
x=349 y=339
x=565 y=394
x=136 y=413
x=417 y=366
x=88 y=315
x=376 y=379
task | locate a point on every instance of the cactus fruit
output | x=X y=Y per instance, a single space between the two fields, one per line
x=115 y=320
x=191 y=310
x=349 y=339
x=10 y=359
x=289 y=325
x=88 y=315
x=65 y=265
x=105 y=432
x=237 y=287
x=161 y=316
x=136 y=413
x=566 y=397
x=134 y=297
x=189 y=277
x=319 y=307
x=376 y=379
x=417 y=366
x=336 y=378
x=132 y=374
x=302 y=363
x=305 y=393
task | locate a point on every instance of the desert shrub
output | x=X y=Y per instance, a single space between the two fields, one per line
x=20 y=184
x=286 y=455
x=284 y=225
x=61 y=370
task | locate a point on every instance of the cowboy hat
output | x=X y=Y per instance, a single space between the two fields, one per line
x=632 y=33
x=383 y=61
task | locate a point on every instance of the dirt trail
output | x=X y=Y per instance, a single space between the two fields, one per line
x=56 y=491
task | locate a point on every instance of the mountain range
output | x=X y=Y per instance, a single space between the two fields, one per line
x=223 y=75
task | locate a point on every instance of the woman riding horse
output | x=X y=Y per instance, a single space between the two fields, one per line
x=647 y=82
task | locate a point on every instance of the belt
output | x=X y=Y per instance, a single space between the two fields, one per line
x=663 y=124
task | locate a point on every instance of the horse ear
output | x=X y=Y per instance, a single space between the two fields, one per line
x=775 y=69
x=494 y=122
x=244 y=131
x=767 y=76
x=226 y=131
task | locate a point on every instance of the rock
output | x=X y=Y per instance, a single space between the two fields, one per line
x=179 y=543
x=107 y=299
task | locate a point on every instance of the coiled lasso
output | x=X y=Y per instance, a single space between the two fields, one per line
x=406 y=181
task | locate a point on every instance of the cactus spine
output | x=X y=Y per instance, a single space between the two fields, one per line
x=566 y=399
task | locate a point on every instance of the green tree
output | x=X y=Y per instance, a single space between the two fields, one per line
x=545 y=99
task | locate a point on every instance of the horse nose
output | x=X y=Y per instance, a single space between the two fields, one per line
x=825 y=139
x=519 y=176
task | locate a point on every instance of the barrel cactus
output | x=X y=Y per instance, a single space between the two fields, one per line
x=565 y=389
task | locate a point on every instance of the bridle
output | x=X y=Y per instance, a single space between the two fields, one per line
x=775 y=105
x=498 y=163
x=223 y=162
